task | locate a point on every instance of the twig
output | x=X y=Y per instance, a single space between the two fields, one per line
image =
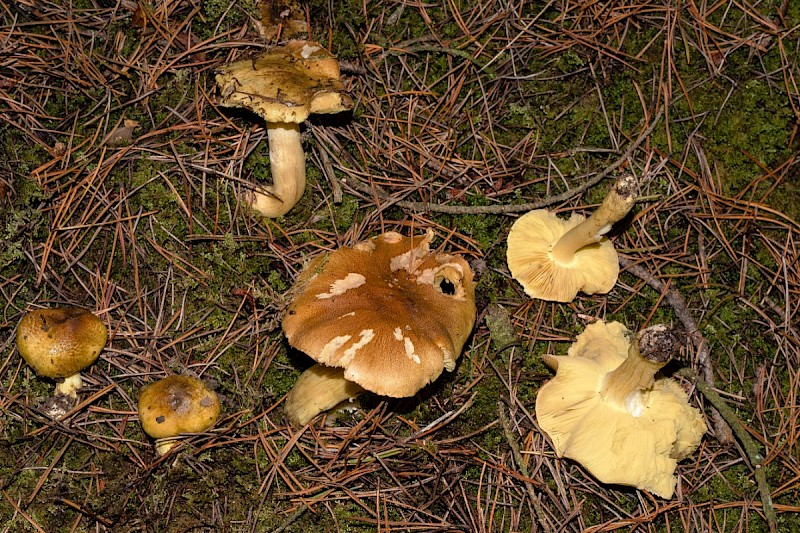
x=749 y=444
x=721 y=429
x=504 y=209
x=523 y=468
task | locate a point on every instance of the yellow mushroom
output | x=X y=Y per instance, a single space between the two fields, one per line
x=284 y=85
x=605 y=409
x=553 y=259
x=60 y=342
x=176 y=405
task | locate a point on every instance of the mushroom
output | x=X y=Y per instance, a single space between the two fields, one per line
x=175 y=405
x=60 y=342
x=387 y=311
x=284 y=86
x=553 y=259
x=605 y=409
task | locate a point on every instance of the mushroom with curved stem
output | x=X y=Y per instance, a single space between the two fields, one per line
x=284 y=85
x=59 y=343
x=386 y=315
x=606 y=410
x=553 y=259
x=176 y=405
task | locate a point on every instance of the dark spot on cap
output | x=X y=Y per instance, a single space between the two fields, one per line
x=160 y=419
x=206 y=402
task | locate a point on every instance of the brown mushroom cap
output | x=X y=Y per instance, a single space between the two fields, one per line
x=175 y=405
x=593 y=269
x=60 y=342
x=286 y=83
x=387 y=310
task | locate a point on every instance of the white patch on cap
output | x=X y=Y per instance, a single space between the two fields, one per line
x=410 y=260
x=366 y=335
x=364 y=246
x=308 y=50
x=340 y=286
x=332 y=347
x=392 y=237
x=410 y=350
x=407 y=344
x=351 y=313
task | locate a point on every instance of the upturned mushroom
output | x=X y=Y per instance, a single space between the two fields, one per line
x=284 y=85
x=176 y=405
x=553 y=259
x=606 y=410
x=60 y=342
x=386 y=315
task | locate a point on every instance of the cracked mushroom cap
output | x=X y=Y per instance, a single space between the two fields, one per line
x=387 y=310
x=60 y=342
x=593 y=269
x=175 y=405
x=635 y=436
x=286 y=83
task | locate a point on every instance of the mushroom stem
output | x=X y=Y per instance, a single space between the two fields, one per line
x=614 y=207
x=648 y=353
x=70 y=385
x=288 y=165
x=165 y=445
x=318 y=389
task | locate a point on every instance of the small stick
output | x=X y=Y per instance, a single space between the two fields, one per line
x=504 y=209
x=721 y=428
x=523 y=468
x=748 y=443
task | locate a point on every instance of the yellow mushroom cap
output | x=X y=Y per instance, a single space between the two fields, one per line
x=177 y=404
x=286 y=83
x=60 y=342
x=594 y=268
x=637 y=441
x=387 y=310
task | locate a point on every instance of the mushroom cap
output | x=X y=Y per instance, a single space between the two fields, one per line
x=177 y=404
x=286 y=83
x=638 y=443
x=387 y=310
x=61 y=341
x=594 y=268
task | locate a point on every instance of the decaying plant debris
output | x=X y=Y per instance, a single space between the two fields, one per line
x=120 y=180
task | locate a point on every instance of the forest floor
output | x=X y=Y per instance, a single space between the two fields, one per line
x=121 y=181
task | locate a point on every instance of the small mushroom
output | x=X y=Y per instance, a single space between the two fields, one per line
x=387 y=311
x=284 y=86
x=553 y=259
x=60 y=342
x=176 y=405
x=605 y=409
